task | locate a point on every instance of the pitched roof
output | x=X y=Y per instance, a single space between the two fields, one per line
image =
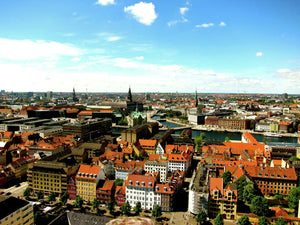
x=88 y=169
x=143 y=181
x=272 y=173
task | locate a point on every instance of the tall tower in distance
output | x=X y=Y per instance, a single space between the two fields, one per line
x=196 y=99
x=74 y=96
x=129 y=96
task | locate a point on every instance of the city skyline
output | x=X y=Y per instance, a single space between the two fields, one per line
x=152 y=46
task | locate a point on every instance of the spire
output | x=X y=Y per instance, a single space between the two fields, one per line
x=129 y=96
x=74 y=94
x=196 y=99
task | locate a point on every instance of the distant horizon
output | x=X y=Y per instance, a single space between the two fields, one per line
x=157 y=92
x=212 y=46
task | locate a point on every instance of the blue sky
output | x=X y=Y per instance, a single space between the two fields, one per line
x=161 y=45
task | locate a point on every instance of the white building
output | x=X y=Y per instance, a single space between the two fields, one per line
x=157 y=166
x=178 y=162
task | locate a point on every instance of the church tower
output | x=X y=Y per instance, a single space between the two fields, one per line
x=196 y=99
x=74 y=96
x=129 y=96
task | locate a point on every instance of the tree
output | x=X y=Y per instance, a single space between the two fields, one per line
x=201 y=217
x=156 y=212
x=263 y=220
x=51 y=197
x=259 y=206
x=40 y=195
x=293 y=198
x=227 y=139
x=119 y=182
x=64 y=198
x=138 y=208
x=125 y=209
x=249 y=193
x=219 y=220
x=278 y=196
x=111 y=207
x=244 y=220
x=240 y=184
x=26 y=193
x=294 y=158
x=78 y=202
x=199 y=140
x=227 y=177
x=95 y=204
x=281 y=221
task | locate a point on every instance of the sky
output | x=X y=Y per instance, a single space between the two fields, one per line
x=212 y=46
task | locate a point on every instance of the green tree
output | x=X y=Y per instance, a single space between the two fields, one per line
x=227 y=139
x=259 y=206
x=240 y=184
x=125 y=209
x=201 y=217
x=51 y=197
x=219 y=220
x=111 y=207
x=119 y=182
x=263 y=220
x=244 y=220
x=293 y=198
x=199 y=141
x=156 y=212
x=78 y=202
x=278 y=196
x=95 y=204
x=26 y=193
x=138 y=208
x=40 y=195
x=249 y=193
x=294 y=158
x=64 y=198
x=281 y=221
x=227 y=177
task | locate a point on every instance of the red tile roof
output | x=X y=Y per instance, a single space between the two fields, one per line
x=88 y=169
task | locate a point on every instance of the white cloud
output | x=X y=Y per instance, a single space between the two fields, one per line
x=105 y=2
x=142 y=12
x=205 y=25
x=75 y=59
x=139 y=57
x=183 y=10
x=259 y=54
x=172 y=23
x=29 y=50
x=222 y=24
x=113 y=38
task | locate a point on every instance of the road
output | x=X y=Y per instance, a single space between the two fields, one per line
x=15 y=191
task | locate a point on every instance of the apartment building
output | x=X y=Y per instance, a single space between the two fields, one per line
x=50 y=176
x=15 y=211
x=271 y=180
x=146 y=190
x=179 y=162
x=87 y=179
x=157 y=166
x=222 y=200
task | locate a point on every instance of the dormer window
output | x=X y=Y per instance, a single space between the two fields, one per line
x=137 y=183
x=165 y=189
x=278 y=176
x=266 y=175
x=272 y=175
x=130 y=182
x=150 y=184
x=259 y=174
x=143 y=183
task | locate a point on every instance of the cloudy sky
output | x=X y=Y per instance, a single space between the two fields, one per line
x=250 y=46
